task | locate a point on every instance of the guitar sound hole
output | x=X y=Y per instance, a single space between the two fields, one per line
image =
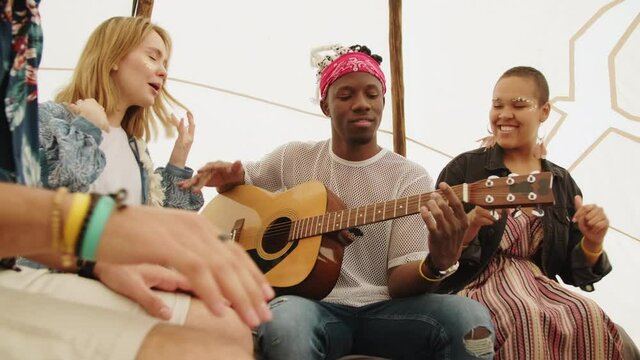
x=275 y=238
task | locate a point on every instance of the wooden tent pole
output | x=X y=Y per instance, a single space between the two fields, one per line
x=142 y=8
x=397 y=80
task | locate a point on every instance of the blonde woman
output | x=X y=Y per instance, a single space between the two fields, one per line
x=94 y=135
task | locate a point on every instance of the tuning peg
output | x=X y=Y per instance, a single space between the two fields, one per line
x=511 y=178
x=495 y=214
x=489 y=182
x=537 y=211
x=531 y=178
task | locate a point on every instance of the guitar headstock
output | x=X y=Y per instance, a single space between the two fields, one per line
x=510 y=191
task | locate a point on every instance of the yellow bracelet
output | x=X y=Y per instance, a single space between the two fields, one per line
x=56 y=220
x=590 y=253
x=75 y=219
x=422 y=274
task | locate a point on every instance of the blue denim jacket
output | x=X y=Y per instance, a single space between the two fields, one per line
x=70 y=156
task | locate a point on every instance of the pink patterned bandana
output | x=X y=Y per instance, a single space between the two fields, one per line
x=348 y=63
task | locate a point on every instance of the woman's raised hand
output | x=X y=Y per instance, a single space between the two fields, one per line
x=184 y=141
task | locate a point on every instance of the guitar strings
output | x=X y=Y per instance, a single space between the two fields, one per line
x=284 y=227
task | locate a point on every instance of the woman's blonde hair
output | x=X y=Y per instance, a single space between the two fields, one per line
x=108 y=44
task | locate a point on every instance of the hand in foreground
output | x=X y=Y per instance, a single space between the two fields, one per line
x=592 y=222
x=219 y=273
x=184 y=141
x=447 y=223
x=135 y=282
x=220 y=174
x=92 y=111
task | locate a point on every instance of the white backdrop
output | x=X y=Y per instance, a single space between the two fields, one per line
x=242 y=67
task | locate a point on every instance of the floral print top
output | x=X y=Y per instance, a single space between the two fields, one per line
x=20 y=49
x=71 y=157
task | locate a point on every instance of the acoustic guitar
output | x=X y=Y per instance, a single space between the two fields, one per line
x=297 y=237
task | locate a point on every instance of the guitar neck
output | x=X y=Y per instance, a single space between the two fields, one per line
x=491 y=193
x=364 y=215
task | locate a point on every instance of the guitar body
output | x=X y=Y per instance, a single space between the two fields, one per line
x=260 y=221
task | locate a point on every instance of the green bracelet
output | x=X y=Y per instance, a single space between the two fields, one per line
x=95 y=227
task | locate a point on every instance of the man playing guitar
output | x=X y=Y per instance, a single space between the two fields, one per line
x=383 y=303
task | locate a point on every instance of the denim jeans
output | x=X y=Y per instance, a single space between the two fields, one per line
x=428 y=326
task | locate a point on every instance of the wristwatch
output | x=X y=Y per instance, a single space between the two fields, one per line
x=437 y=273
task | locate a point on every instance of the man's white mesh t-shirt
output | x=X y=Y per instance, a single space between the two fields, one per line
x=385 y=176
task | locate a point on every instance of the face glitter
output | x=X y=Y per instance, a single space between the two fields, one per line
x=532 y=104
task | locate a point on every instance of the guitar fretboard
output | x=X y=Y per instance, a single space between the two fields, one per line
x=369 y=214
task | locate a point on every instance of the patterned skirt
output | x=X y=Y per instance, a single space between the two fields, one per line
x=534 y=316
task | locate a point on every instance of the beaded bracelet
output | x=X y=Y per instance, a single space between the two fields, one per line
x=57 y=238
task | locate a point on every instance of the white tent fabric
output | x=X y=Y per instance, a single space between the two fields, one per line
x=242 y=67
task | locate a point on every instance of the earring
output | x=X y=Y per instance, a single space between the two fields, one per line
x=115 y=67
x=539 y=149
